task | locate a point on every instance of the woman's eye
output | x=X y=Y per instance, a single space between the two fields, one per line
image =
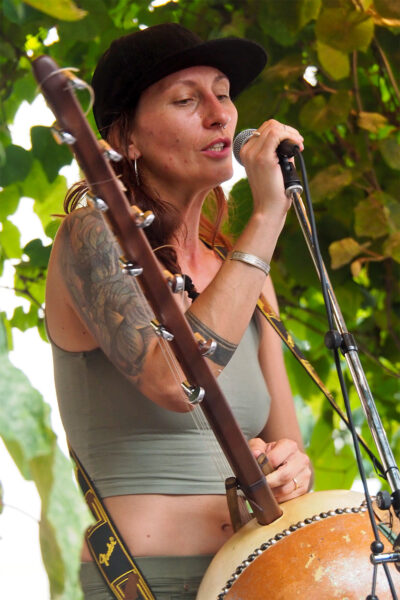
x=183 y=101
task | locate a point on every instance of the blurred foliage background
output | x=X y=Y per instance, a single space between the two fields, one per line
x=333 y=74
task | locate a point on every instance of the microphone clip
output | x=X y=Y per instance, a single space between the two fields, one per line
x=290 y=177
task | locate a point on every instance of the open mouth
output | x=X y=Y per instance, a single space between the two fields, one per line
x=218 y=145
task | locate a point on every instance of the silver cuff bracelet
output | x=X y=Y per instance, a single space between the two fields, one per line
x=250 y=259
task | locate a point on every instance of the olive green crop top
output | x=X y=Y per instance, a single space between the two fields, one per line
x=130 y=445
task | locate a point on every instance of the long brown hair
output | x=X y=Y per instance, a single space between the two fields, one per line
x=167 y=217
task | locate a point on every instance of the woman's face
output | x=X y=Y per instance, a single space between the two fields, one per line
x=177 y=131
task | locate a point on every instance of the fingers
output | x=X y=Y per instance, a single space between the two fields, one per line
x=264 y=174
x=291 y=468
x=257 y=446
x=292 y=474
x=264 y=145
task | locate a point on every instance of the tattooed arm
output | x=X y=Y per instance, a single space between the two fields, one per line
x=112 y=307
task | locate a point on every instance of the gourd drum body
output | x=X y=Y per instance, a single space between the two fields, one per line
x=318 y=549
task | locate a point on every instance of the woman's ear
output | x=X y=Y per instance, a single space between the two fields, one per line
x=133 y=151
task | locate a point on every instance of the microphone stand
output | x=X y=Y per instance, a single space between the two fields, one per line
x=348 y=346
x=345 y=341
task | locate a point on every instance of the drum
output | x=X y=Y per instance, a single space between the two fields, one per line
x=318 y=549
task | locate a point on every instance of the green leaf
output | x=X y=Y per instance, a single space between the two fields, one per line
x=2 y=155
x=334 y=62
x=22 y=320
x=344 y=29
x=6 y=342
x=284 y=19
x=10 y=240
x=30 y=282
x=52 y=202
x=288 y=69
x=371 y=217
x=65 y=10
x=390 y=150
x=39 y=255
x=317 y=114
x=343 y=251
x=18 y=164
x=240 y=207
x=392 y=246
x=9 y=200
x=329 y=182
x=24 y=418
x=14 y=10
x=26 y=432
x=333 y=469
x=52 y=156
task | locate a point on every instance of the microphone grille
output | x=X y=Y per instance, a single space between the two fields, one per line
x=240 y=141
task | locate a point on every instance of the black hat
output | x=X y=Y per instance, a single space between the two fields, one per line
x=137 y=60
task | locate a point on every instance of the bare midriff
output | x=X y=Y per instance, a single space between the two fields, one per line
x=167 y=525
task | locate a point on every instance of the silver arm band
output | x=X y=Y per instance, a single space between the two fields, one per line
x=250 y=259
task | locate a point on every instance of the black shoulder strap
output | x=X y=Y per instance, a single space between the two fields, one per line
x=116 y=565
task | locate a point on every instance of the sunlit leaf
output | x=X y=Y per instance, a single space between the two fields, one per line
x=26 y=432
x=66 y=10
x=22 y=320
x=10 y=239
x=345 y=29
x=343 y=251
x=371 y=121
x=6 y=342
x=9 y=200
x=334 y=469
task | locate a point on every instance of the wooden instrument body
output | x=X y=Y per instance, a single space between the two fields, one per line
x=318 y=549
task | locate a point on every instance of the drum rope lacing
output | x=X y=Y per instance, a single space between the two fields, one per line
x=281 y=535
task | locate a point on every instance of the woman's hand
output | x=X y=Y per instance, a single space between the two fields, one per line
x=262 y=165
x=292 y=473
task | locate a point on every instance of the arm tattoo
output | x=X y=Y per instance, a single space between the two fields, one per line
x=225 y=349
x=110 y=303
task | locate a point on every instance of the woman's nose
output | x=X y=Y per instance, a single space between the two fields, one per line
x=215 y=114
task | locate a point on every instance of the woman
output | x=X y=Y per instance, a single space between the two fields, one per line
x=164 y=101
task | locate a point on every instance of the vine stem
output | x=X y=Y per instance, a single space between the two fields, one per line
x=23 y=512
x=23 y=291
x=388 y=68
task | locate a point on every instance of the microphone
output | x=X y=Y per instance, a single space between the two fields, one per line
x=286 y=148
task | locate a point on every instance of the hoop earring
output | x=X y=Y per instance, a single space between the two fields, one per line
x=135 y=166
